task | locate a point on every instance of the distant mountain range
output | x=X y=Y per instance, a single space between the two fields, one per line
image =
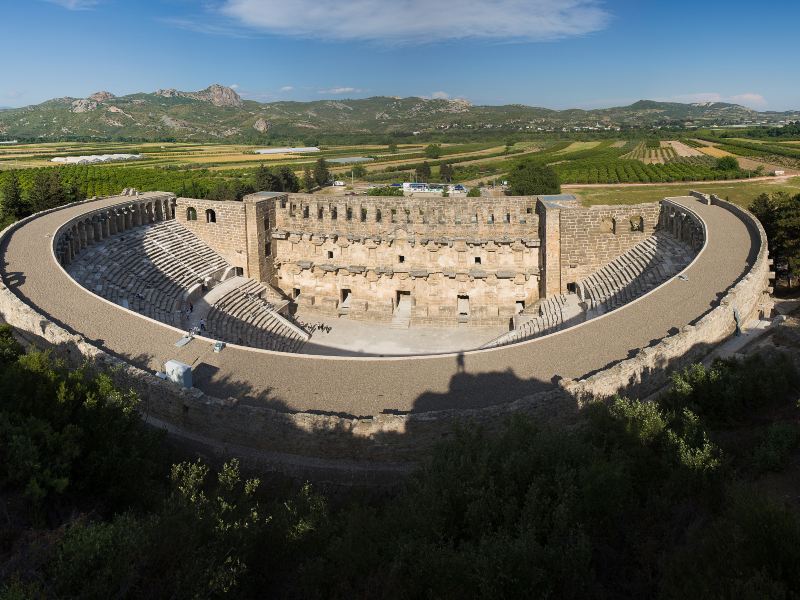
x=218 y=113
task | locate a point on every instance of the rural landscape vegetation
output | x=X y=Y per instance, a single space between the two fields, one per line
x=694 y=493
x=683 y=497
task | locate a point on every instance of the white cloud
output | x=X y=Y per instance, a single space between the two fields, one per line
x=199 y=26
x=748 y=99
x=420 y=21
x=340 y=90
x=440 y=95
x=234 y=86
x=75 y=4
x=287 y=88
x=698 y=97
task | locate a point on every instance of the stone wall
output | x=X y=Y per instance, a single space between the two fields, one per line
x=648 y=371
x=461 y=260
x=380 y=447
x=432 y=218
x=227 y=235
x=592 y=237
x=97 y=225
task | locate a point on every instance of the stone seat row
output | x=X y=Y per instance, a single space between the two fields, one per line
x=149 y=269
x=244 y=316
x=634 y=273
x=549 y=316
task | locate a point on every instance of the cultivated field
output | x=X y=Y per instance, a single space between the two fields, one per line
x=741 y=193
x=652 y=152
x=606 y=162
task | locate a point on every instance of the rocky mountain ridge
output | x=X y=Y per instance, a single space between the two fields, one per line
x=219 y=113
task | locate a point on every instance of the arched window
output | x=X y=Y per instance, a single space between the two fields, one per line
x=211 y=216
x=191 y=214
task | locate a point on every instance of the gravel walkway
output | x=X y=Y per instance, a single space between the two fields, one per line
x=366 y=386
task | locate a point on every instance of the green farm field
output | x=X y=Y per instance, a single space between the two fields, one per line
x=741 y=193
x=198 y=168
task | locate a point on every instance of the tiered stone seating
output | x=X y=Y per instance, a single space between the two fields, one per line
x=245 y=316
x=549 y=315
x=148 y=269
x=634 y=273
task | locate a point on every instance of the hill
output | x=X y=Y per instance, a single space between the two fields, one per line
x=218 y=113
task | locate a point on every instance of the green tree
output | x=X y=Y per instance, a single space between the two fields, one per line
x=13 y=206
x=71 y=431
x=265 y=179
x=780 y=216
x=727 y=163
x=446 y=172
x=10 y=348
x=287 y=180
x=46 y=190
x=308 y=180
x=423 y=172
x=529 y=179
x=359 y=171
x=474 y=192
x=322 y=174
x=392 y=148
x=280 y=179
x=386 y=191
x=433 y=150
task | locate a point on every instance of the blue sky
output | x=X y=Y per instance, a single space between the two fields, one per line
x=553 y=53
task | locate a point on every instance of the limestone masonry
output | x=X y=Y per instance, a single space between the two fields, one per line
x=475 y=261
x=590 y=297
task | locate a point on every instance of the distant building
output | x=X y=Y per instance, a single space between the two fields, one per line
x=302 y=150
x=94 y=158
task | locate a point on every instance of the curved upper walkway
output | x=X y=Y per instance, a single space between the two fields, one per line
x=363 y=386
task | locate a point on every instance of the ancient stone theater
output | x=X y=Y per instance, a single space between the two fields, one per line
x=339 y=337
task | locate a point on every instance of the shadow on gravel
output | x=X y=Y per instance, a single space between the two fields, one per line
x=344 y=449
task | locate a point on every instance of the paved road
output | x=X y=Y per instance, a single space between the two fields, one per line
x=367 y=385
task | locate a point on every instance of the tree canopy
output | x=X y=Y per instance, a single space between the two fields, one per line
x=433 y=150
x=727 y=163
x=423 y=171
x=779 y=213
x=322 y=174
x=529 y=179
x=636 y=501
x=386 y=191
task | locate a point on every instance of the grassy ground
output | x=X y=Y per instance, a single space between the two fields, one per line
x=741 y=193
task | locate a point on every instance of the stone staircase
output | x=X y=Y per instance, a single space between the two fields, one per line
x=401 y=319
x=548 y=316
x=245 y=315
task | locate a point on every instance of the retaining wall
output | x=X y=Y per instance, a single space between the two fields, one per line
x=379 y=447
x=649 y=370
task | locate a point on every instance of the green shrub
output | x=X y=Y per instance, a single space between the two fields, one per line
x=730 y=390
x=10 y=348
x=727 y=163
x=776 y=447
x=750 y=551
x=529 y=179
x=386 y=191
x=72 y=431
